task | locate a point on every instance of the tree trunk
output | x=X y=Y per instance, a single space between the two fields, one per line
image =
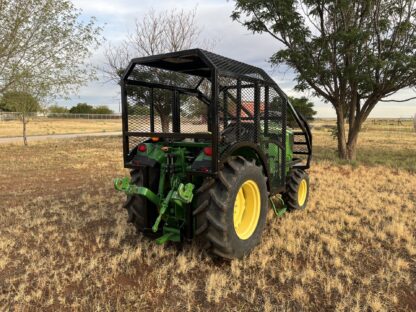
x=164 y=120
x=24 y=121
x=353 y=138
x=352 y=145
x=342 y=147
x=347 y=147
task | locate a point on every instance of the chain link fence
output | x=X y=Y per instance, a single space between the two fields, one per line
x=8 y=116
x=397 y=125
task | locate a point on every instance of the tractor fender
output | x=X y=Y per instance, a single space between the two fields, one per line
x=249 y=151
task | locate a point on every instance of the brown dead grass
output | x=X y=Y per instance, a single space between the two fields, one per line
x=378 y=144
x=46 y=126
x=65 y=243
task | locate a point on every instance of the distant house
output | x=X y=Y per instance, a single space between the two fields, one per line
x=249 y=106
x=247 y=109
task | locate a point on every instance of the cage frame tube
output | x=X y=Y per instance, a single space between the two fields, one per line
x=219 y=71
x=225 y=108
x=266 y=110
x=152 y=110
x=176 y=115
x=213 y=122
x=256 y=112
x=124 y=119
x=284 y=128
x=238 y=108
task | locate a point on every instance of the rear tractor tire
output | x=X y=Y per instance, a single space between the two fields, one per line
x=230 y=212
x=139 y=211
x=297 y=190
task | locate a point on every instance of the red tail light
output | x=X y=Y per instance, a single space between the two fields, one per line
x=208 y=151
x=142 y=148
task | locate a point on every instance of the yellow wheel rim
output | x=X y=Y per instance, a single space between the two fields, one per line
x=247 y=209
x=302 y=192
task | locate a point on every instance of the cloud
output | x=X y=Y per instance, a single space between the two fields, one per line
x=232 y=40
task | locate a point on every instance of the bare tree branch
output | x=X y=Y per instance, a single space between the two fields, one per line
x=399 y=101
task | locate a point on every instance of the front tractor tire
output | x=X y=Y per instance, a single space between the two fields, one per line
x=297 y=190
x=231 y=211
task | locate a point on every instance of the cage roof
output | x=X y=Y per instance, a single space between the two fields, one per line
x=201 y=63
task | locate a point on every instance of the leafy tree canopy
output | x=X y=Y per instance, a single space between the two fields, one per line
x=102 y=110
x=303 y=106
x=45 y=43
x=84 y=108
x=22 y=102
x=352 y=53
x=58 y=109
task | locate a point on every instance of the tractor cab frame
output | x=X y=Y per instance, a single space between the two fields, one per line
x=198 y=99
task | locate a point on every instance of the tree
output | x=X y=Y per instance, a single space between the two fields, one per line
x=82 y=108
x=47 y=39
x=352 y=53
x=43 y=50
x=414 y=122
x=102 y=109
x=3 y=105
x=23 y=103
x=303 y=106
x=156 y=33
x=56 y=109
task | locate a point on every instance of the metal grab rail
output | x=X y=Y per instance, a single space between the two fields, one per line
x=306 y=132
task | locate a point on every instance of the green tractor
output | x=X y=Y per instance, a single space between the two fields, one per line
x=209 y=140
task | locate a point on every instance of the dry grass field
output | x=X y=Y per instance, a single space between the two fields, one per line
x=45 y=126
x=65 y=243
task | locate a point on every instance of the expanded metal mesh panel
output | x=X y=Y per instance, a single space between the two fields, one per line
x=253 y=113
x=138 y=107
x=193 y=115
x=162 y=104
x=238 y=115
x=164 y=77
x=134 y=141
x=193 y=112
x=227 y=109
x=230 y=129
x=299 y=144
x=274 y=116
x=299 y=139
x=226 y=65
x=272 y=131
x=175 y=96
x=205 y=87
x=248 y=127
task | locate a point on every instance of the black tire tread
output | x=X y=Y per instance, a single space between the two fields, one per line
x=136 y=216
x=136 y=205
x=212 y=232
x=290 y=197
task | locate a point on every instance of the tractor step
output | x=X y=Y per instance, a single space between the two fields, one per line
x=279 y=212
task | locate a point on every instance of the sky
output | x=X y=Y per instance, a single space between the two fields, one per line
x=231 y=40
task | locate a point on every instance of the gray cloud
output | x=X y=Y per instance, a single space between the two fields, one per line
x=232 y=40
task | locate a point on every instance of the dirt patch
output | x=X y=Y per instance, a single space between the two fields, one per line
x=65 y=243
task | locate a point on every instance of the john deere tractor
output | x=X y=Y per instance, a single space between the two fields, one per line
x=209 y=140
